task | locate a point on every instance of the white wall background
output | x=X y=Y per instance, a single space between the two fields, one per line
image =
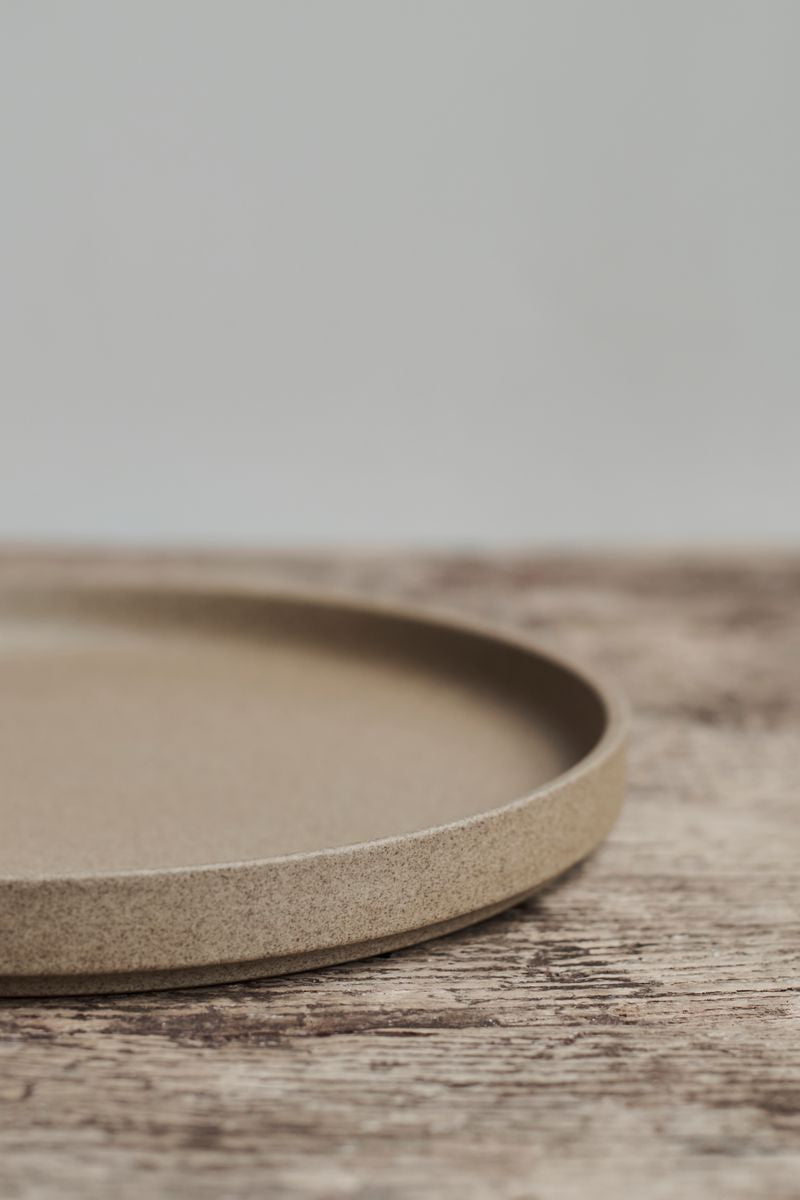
x=474 y=271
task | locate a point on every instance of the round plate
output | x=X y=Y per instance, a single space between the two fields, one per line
x=201 y=786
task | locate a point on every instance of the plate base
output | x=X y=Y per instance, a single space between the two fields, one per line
x=21 y=986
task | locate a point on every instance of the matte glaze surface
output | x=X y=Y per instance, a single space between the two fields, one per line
x=198 y=786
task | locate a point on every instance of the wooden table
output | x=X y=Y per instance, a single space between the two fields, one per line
x=633 y=1031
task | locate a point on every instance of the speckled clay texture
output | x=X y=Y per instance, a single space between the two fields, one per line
x=137 y=928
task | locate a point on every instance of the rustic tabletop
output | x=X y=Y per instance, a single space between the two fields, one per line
x=632 y=1031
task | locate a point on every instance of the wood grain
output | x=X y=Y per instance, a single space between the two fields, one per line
x=633 y=1031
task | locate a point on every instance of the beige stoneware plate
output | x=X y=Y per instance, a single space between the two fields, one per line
x=199 y=786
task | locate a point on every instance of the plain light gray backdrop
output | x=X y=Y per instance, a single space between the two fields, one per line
x=452 y=271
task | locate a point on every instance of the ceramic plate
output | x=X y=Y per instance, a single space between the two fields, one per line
x=202 y=786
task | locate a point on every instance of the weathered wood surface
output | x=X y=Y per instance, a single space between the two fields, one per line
x=633 y=1031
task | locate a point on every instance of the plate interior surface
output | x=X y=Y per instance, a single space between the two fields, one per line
x=158 y=729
